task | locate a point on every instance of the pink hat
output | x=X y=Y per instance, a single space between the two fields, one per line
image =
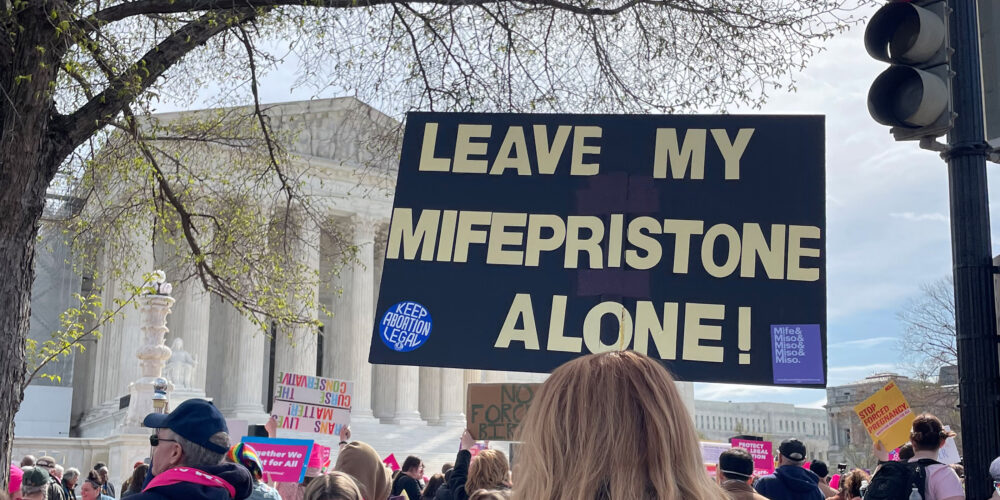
x=16 y=474
x=320 y=457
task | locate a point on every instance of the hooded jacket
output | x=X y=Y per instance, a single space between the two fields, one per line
x=235 y=475
x=790 y=482
x=362 y=462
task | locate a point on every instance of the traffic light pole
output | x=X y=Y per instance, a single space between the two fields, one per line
x=975 y=318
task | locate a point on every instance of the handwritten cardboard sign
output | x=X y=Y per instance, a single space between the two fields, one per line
x=283 y=460
x=312 y=404
x=887 y=416
x=495 y=410
x=762 y=453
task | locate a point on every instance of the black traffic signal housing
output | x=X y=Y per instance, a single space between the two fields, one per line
x=913 y=96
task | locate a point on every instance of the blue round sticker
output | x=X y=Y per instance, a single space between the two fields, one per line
x=405 y=326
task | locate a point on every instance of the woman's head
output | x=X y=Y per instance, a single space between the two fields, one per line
x=138 y=476
x=333 y=486
x=927 y=433
x=488 y=471
x=851 y=483
x=433 y=484
x=637 y=440
x=91 y=487
x=362 y=462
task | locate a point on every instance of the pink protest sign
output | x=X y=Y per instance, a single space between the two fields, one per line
x=284 y=460
x=320 y=456
x=762 y=453
x=391 y=462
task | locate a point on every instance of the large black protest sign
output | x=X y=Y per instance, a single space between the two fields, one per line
x=519 y=242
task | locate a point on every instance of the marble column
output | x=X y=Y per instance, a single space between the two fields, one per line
x=130 y=337
x=384 y=392
x=383 y=376
x=430 y=394
x=352 y=333
x=295 y=345
x=190 y=323
x=452 y=397
x=102 y=367
x=407 y=395
x=242 y=385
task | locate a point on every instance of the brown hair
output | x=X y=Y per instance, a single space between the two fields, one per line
x=927 y=433
x=333 y=486
x=636 y=442
x=138 y=476
x=488 y=471
x=433 y=485
x=851 y=483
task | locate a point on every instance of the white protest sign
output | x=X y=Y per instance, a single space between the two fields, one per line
x=949 y=452
x=710 y=451
x=312 y=404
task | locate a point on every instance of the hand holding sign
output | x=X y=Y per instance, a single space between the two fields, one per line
x=467 y=441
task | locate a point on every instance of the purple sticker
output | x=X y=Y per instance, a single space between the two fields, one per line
x=796 y=354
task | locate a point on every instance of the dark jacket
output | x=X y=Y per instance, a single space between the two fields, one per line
x=69 y=493
x=443 y=493
x=408 y=484
x=790 y=482
x=55 y=490
x=459 y=474
x=234 y=474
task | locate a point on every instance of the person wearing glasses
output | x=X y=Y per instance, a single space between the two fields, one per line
x=189 y=446
x=995 y=474
x=409 y=479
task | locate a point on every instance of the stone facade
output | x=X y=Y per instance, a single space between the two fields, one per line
x=775 y=422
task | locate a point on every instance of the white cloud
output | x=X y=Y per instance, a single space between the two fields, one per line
x=914 y=217
x=865 y=343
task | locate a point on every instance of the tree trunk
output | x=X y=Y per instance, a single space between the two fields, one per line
x=21 y=202
x=29 y=157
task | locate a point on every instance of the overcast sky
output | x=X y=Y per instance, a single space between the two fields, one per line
x=887 y=217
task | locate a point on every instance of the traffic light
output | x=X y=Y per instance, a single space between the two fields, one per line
x=913 y=96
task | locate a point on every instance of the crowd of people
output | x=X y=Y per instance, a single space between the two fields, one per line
x=634 y=441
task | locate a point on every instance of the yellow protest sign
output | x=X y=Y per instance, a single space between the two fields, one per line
x=887 y=416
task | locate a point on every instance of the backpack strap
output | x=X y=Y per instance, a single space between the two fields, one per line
x=921 y=474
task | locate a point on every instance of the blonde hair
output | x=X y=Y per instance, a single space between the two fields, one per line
x=333 y=486
x=488 y=471
x=490 y=495
x=610 y=426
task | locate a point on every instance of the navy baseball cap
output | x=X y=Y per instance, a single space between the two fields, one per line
x=195 y=420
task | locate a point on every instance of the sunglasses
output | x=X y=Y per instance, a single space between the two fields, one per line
x=154 y=440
